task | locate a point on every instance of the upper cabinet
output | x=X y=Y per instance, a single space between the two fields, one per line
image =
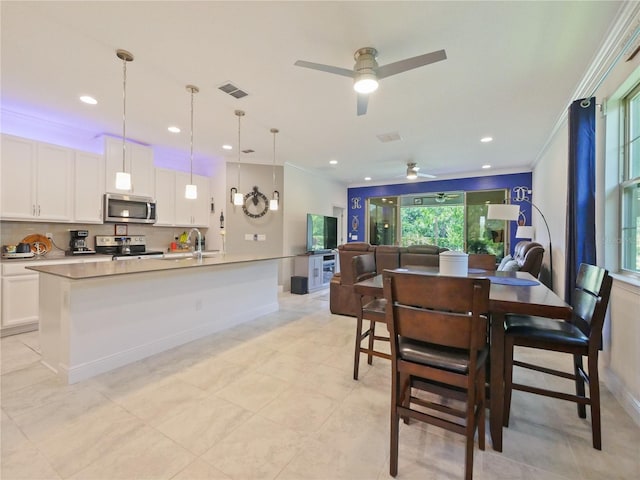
x=89 y=188
x=138 y=162
x=176 y=210
x=36 y=181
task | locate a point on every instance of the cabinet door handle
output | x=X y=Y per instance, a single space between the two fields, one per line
x=38 y=210
x=33 y=210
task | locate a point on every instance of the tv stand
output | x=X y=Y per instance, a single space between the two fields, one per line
x=317 y=267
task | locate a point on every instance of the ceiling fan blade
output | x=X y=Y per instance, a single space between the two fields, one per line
x=410 y=63
x=325 y=68
x=363 y=100
x=426 y=175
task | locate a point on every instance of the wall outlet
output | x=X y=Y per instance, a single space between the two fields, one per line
x=48 y=235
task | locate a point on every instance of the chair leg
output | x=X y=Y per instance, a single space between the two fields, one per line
x=577 y=366
x=356 y=360
x=372 y=333
x=594 y=396
x=481 y=405
x=508 y=379
x=395 y=423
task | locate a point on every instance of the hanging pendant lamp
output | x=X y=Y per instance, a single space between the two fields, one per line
x=123 y=179
x=236 y=197
x=191 y=190
x=275 y=196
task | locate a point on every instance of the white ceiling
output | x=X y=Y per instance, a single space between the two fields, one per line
x=511 y=70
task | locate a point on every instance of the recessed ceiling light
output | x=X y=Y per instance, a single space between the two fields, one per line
x=88 y=100
x=367 y=178
x=486 y=166
x=173 y=129
x=333 y=162
x=486 y=139
x=227 y=147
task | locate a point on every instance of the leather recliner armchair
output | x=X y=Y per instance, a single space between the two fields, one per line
x=529 y=257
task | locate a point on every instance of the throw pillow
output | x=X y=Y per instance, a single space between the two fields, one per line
x=511 y=266
x=504 y=261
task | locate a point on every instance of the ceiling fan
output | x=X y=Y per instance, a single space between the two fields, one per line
x=442 y=197
x=413 y=173
x=366 y=71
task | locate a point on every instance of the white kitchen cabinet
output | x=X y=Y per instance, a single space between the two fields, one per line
x=20 y=292
x=173 y=208
x=317 y=268
x=88 y=188
x=195 y=212
x=36 y=181
x=165 y=197
x=138 y=162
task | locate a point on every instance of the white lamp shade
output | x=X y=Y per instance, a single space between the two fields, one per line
x=525 y=232
x=273 y=204
x=501 y=211
x=238 y=199
x=191 y=192
x=365 y=83
x=123 y=181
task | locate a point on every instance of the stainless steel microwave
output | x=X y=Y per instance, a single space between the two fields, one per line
x=129 y=209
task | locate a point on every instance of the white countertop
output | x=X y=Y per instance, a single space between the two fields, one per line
x=80 y=271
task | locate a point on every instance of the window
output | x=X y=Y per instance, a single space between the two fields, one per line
x=455 y=220
x=630 y=185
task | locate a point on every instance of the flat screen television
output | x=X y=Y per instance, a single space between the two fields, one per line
x=322 y=233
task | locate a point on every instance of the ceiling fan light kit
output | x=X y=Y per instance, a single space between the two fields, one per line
x=366 y=71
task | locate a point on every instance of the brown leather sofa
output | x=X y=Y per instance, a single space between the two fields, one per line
x=529 y=256
x=342 y=299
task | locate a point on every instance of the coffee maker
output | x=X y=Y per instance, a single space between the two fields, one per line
x=78 y=243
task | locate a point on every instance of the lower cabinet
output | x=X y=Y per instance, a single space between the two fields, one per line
x=317 y=268
x=20 y=293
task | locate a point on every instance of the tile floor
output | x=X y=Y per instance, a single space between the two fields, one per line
x=273 y=399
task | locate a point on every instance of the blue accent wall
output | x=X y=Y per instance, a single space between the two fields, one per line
x=357 y=197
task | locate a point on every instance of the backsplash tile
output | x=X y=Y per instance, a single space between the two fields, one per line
x=158 y=238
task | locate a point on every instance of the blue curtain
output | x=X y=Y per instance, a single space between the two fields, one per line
x=581 y=191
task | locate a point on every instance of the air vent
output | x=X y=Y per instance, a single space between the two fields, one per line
x=389 y=137
x=232 y=90
x=248 y=150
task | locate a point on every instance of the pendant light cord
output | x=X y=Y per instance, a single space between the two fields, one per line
x=124 y=112
x=273 y=168
x=191 y=161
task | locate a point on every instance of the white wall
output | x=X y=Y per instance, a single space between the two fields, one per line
x=620 y=364
x=305 y=193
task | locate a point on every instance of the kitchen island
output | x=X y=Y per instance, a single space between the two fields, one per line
x=97 y=317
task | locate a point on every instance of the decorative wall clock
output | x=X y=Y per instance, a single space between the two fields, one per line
x=256 y=204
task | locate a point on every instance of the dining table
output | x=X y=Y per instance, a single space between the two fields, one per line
x=510 y=292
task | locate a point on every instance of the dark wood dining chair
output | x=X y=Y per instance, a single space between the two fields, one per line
x=371 y=309
x=580 y=337
x=438 y=328
x=484 y=261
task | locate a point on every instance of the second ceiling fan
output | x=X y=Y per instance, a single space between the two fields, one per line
x=366 y=71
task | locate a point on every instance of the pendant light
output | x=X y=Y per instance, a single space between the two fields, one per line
x=191 y=190
x=123 y=179
x=275 y=196
x=236 y=197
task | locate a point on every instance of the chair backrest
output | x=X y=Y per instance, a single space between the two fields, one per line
x=485 y=261
x=590 y=300
x=346 y=252
x=363 y=267
x=449 y=311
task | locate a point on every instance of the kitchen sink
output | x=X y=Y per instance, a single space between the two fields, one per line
x=189 y=255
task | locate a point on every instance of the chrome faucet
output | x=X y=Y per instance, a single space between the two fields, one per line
x=197 y=253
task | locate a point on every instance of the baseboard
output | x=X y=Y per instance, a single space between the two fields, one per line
x=630 y=404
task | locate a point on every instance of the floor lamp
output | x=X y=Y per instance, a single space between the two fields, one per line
x=503 y=211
